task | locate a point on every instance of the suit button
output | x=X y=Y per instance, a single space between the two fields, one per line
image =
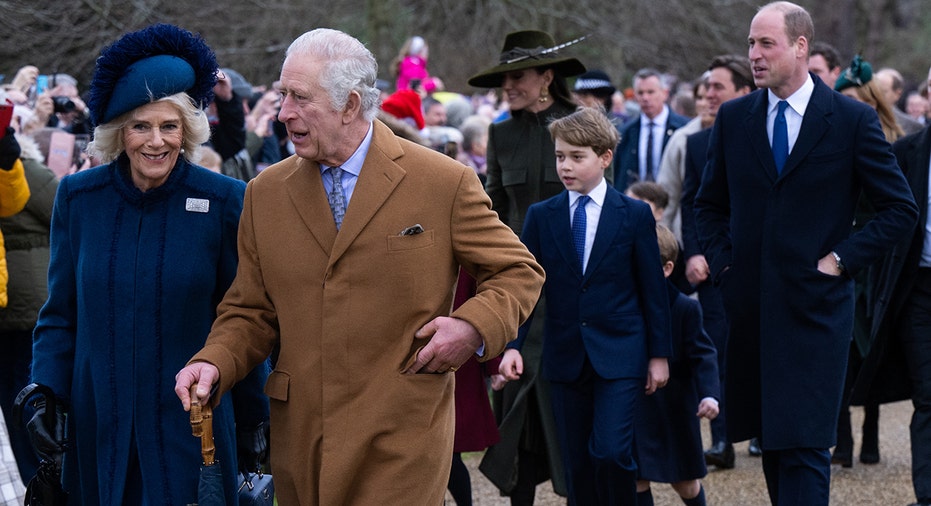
x=585 y=324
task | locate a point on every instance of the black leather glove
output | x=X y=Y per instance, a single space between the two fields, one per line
x=252 y=447
x=9 y=150
x=47 y=431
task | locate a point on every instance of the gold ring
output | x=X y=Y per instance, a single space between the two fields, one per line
x=453 y=369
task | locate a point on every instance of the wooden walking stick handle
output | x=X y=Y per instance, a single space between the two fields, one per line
x=202 y=426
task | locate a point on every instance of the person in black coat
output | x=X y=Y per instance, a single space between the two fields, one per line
x=775 y=225
x=898 y=365
x=667 y=432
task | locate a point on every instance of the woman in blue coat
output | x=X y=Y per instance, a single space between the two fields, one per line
x=142 y=250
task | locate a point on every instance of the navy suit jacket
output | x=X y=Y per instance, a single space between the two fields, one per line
x=763 y=233
x=617 y=314
x=627 y=159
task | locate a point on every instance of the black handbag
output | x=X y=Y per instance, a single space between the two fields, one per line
x=256 y=489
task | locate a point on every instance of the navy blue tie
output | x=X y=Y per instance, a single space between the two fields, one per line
x=578 y=229
x=780 y=137
x=650 y=176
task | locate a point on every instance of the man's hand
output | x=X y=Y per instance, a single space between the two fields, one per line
x=708 y=408
x=828 y=265
x=452 y=342
x=201 y=373
x=657 y=375
x=696 y=269
x=512 y=365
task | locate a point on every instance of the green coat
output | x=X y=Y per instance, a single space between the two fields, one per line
x=521 y=172
x=27 y=250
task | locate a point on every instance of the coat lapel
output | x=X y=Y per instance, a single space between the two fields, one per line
x=561 y=231
x=755 y=124
x=612 y=213
x=379 y=176
x=305 y=188
x=815 y=123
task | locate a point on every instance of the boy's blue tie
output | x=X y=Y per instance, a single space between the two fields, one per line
x=578 y=229
x=780 y=137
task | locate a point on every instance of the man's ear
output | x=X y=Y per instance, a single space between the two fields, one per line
x=353 y=107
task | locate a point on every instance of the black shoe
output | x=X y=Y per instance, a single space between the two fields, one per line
x=754 y=449
x=921 y=503
x=869 y=457
x=869 y=447
x=843 y=452
x=842 y=456
x=720 y=455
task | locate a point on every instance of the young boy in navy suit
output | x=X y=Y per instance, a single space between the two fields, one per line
x=607 y=325
x=668 y=445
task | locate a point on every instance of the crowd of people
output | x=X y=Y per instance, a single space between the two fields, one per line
x=368 y=275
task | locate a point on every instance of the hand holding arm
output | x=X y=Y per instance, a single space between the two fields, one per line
x=452 y=342
x=512 y=365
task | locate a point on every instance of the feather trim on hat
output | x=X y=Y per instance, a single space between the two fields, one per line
x=159 y=39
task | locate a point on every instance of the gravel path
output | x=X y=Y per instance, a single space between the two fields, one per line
x=887 y=483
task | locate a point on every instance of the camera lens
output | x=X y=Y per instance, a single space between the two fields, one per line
x=63 y=104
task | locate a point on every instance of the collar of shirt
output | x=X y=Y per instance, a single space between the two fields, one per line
x=798 y=104
x=597 y=195
x=351 y=167
x=592 y=215
x=659 y=120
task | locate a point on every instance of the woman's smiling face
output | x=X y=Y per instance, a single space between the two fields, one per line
x=153 y=137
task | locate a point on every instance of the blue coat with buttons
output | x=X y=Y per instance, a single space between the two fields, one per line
x=134 y=282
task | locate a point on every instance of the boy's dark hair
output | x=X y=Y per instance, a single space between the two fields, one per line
x=668 y=245
x=587 y=126
x=650 y=192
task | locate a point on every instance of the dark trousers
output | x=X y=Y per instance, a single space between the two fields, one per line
x=714 y=321
x=916 y=341
x=595 y=423
x=15 y=362
x=798 y=476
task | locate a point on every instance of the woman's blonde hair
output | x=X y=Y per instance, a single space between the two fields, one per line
x=872 y=95
x=108 y=137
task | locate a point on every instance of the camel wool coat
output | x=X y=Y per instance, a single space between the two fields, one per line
x=347 y=427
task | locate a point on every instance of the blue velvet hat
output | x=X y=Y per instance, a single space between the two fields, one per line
x=150 y=64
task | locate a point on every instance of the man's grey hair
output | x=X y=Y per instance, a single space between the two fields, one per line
x=648 y=72
x=348 y=66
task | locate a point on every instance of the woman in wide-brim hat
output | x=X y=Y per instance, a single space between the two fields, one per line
x=521 y=171
x=142 y=250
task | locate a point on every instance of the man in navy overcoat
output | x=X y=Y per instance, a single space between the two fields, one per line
x=779 y=246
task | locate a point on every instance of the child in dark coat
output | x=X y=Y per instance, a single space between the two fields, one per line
x=667 y=439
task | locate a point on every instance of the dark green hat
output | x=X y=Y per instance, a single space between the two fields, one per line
x=858 y=73
x=528 y=49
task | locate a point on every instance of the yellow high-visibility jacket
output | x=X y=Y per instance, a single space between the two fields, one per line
x=14 y=193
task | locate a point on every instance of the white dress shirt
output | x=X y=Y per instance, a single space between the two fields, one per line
x=592 y=215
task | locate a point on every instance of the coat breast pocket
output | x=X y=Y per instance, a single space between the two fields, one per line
x=424 y=239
